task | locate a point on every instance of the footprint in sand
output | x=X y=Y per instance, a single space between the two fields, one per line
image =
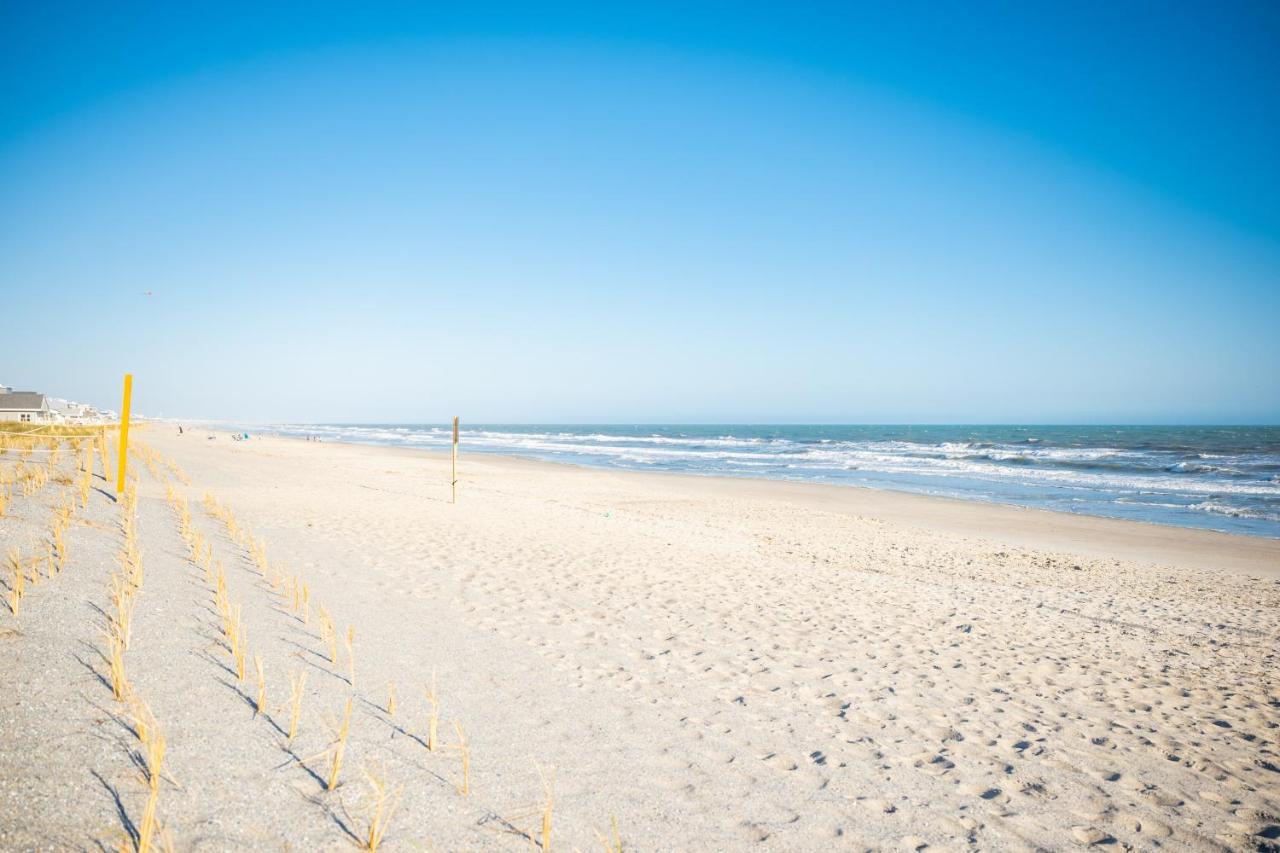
x=779 y=762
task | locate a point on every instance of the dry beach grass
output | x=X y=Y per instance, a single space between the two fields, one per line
x=706 y=664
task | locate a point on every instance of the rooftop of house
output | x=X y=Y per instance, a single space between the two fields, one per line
x=22 y=401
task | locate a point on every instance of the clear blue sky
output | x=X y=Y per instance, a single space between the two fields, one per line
x=955 y=212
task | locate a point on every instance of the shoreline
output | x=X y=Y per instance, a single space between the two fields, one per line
x=1196 y=505
x=1092 y=536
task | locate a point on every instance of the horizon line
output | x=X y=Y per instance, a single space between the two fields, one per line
x=640 y=423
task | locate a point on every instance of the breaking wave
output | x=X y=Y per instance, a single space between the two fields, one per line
x=1224 y=478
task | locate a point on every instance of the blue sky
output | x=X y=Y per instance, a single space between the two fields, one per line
x=903 y=212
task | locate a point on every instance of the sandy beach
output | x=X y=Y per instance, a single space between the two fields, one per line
x=658 y=661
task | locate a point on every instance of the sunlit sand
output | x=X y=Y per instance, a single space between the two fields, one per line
x=653 y=660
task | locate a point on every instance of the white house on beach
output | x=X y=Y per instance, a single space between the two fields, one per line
x=23 y=406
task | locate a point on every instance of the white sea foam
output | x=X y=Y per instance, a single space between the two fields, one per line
x=1235 y=511
x=1241 y=486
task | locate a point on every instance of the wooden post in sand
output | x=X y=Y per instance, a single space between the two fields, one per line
x=455 y=459
x=124 y=433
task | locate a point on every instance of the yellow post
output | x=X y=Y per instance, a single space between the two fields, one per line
x=124 y=432
x=455 y=459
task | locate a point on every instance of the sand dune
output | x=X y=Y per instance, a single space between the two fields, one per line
x=706 y=664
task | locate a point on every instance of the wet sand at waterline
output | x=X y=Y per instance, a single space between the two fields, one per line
x=702 y=663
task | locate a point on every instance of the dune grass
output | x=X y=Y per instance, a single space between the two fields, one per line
x=328 y=634
x=383 y=805
x=433 y=715
x=59 y=546
x=351 y=655
x=296 y=597
x=239 y=651
x=122 y=596
x=150 y=737
x=464 y=752
x=18 y=431
x=339 y=748
x=18 y=586
x=120 y=687
x=261 y=706
x=86 y=474
x=612 y=843
x=297 y=682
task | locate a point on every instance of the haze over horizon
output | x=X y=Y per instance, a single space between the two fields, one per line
x=654 y=214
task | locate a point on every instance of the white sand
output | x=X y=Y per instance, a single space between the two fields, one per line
x=715 y=663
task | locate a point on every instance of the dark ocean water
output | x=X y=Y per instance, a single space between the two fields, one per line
x=1221 y=478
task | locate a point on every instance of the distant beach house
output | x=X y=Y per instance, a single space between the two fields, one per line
x=24 y=406
x=71 y=412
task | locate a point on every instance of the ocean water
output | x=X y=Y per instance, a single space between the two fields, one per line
x=1221 y=478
